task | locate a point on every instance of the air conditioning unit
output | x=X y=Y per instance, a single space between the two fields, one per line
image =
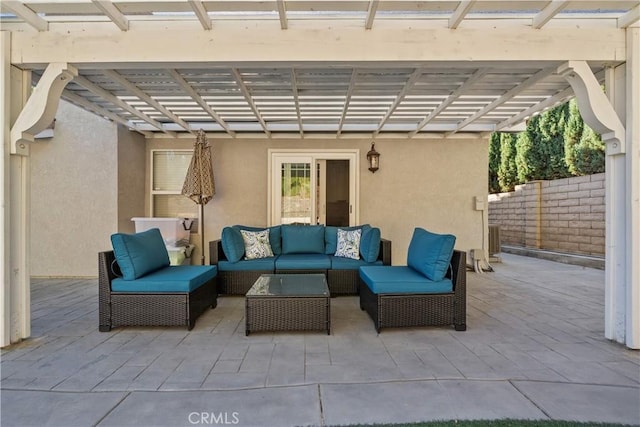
x=494 y=240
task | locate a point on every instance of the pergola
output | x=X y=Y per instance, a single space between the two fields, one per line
x=300 y=69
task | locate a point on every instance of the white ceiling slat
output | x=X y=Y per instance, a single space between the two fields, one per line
x=108 y=8
x=460 y=13
x=249 y=99
x=631 y=17
x=26 y=14
x=507 y=96
x=87 y=105
x=201 y=13
x=115 y=76
x=371 y=14
x=553 y=8
x=282 y=13
x=200 y=101
x=108 y=96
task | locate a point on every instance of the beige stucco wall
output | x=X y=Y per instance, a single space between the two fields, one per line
x=131 y=178
x=427 y=183
x=73 y=194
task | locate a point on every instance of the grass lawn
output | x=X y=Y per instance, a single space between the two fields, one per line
x=495 y=423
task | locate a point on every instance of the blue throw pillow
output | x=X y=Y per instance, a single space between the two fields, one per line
x=430 y=253
x=232 y=244
x=370 y=244
x=302 y=239
x=275 y=239
x=331 y=236
x=140 y=253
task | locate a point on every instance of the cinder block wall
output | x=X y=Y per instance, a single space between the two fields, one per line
x=565 y=215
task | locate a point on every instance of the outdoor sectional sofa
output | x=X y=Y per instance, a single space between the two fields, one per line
x=138 y=287
x=296 y=249
x=429 y=291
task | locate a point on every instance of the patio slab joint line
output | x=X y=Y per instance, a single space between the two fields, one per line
x=322 y=423
x=531 y=400
x=126 y=394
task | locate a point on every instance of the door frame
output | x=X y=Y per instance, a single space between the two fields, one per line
x=353 y=155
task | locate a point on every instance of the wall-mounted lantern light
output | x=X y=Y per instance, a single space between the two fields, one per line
x=374 y=158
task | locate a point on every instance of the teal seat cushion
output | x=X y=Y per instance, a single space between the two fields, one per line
x=303 y=262
x=140 y=253
x=342 y=263
x=179 y=278
x=259 y=264
x=302 y=239
x=275 y=236
x=331 y=236
x=430 y=253
x=388 y=279
x=370 y=244
x=232 y=244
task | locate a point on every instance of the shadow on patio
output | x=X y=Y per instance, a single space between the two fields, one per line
x=534 y=350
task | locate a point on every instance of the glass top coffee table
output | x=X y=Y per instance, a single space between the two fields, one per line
x=288 y=302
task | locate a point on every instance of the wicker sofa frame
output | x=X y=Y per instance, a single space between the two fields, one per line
x=148 y=309
x=408 y=310
x=341 y=282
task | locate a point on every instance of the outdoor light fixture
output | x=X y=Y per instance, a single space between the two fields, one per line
x=374 y=158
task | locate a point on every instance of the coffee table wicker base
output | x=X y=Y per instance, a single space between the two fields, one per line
x=287 y=314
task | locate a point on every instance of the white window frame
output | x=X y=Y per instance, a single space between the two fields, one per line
x=277 y=156
x=154 y=192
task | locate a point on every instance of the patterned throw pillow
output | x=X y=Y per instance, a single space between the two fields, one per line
x=256 y=244
x=348 y=244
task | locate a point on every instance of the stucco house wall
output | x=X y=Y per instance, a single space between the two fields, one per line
x=93 y=176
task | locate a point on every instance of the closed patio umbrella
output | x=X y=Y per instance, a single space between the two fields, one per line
x=198 y=184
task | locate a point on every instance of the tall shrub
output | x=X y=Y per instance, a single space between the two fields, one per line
x=507 y=172
x=494 y=162
x=572 y=135
x=551 y=129
x=590 y=153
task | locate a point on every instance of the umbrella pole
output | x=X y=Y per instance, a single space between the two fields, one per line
x=202 y=233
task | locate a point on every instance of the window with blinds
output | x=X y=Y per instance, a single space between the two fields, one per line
x=169 y=168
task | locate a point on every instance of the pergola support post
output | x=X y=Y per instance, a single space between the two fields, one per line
x=622 y=287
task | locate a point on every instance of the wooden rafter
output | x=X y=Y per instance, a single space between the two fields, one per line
x=403 y=93
x=450 y=99
x=631 y=17
x=460 y=12
x=546 y=14
x=371 y=13
x=282 y=13
x=549 y=102
x=201 y=13
x=347 y=99
x=108 y=8
x=118 y=78
x=108 y=96
x=26 y=14
x=247 y=96
x=200 y=101
x=296 y=99
x=102 y=112
x=504 y=98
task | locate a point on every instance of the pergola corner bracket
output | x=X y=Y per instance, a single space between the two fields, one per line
x=595 y=107
x=41 y=107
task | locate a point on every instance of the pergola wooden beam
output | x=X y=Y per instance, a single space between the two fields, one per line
x=114 y=14
x=403 y=93
x=249 y=99
x=347 y=100
x=282 y=14
x=371 y=13
x=631 y=17
x=296 y=100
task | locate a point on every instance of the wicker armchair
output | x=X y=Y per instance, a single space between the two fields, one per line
x=148 y=309
x=407 y=310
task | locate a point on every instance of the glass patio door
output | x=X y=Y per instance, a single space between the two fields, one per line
x=295 y=200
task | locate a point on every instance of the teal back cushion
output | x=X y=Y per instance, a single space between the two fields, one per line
x=275 y=239
x=430 y=253
x=331 y=236
x=370 y=244
x=232 y=244
x=302 y=239
x=140 y=253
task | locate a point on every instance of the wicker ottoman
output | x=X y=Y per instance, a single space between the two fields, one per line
x=288 y=302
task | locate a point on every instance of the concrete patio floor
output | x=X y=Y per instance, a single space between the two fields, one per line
x=534 y=349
